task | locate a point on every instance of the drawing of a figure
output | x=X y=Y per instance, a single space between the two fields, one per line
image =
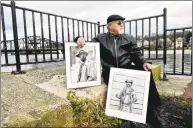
x=127 y=96
x=86 y=69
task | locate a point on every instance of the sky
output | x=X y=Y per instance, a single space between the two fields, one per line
x=179 y=14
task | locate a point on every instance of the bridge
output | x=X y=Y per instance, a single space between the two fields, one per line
x=39 y=43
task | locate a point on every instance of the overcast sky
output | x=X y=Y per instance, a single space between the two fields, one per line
x=179 y=13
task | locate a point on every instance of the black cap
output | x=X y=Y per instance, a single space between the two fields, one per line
x=128 y=81
x=114 y=17
x=81 y=52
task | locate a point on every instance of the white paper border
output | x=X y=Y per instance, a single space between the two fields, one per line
x=68 y=73
x=123 y=115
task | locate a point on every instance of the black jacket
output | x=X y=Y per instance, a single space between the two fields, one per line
x=118 y=51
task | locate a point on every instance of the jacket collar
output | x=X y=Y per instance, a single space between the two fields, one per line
x=114 y=35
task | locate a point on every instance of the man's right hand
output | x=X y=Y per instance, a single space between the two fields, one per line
x=81 y=42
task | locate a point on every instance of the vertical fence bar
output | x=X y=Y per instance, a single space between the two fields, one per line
x=164 y=36
x=149 y=35
x=156 y=37
x=174 y=66
x=63 y=45
x=87 y=30
x=25 y=33
x=98 y=27
x=191 y=56
x=15 y=36
x=42 y=35
x=82 y=28
x=73 y=29
x=78 y=28
x=95 y=30
x=142 y=37
x=130 y=27
x=91 y=30
x=136 y=30
x=34 y=37
x=4 y=35
x=50 y=43
x=68 y=30
x=124 y=27
x=183 y=51
x=11 y=47
x=56 y=30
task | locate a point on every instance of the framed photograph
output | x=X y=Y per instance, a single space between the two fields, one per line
x=127 y=95
x=83 y=68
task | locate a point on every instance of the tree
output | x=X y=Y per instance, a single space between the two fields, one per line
x=187 y=37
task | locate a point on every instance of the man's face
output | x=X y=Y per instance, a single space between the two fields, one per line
x=116 y=27
x=128 y=84
x=83 y=57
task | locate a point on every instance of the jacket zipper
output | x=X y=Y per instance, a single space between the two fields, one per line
x=116 y=51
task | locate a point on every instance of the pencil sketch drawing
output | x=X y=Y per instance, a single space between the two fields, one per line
x=127 y=95
x=82 y=64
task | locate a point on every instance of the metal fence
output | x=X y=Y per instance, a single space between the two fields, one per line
x=39 y=46
x=84 y=28
x=159 y=51
x=183 y=45
x=142 y=38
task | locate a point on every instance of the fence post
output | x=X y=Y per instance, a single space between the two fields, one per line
x=98 y=27
x=165 y=39
x=15 y=36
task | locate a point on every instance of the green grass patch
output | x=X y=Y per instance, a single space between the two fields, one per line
x=88 y=113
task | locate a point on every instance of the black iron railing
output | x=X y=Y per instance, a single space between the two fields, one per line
x=182 y=42
x=102 y=30
x=39 y=45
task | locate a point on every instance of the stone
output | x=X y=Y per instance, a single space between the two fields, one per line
x=18 y=120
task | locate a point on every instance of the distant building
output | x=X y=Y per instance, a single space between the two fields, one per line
x=179 y=42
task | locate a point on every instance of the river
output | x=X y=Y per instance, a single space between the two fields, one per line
x=169 y=66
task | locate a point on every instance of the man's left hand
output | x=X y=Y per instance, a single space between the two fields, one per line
x=147 y=66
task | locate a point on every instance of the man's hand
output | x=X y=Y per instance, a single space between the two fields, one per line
x=147 y=66
x=80 y=42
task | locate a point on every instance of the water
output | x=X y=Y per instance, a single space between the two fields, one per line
x=170 y=60
x=169 y=66
x=11 y=59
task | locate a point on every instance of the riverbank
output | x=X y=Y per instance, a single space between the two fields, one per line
x=33 y=96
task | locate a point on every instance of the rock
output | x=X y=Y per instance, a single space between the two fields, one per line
x=188 y=91
x=57 y=86
x=18 y=120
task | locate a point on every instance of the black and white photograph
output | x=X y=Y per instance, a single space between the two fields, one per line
x=82 y=65
x=127 y=95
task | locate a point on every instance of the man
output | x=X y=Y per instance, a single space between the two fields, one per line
x=120 y=50
x=86 y=70
x=127 y=96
